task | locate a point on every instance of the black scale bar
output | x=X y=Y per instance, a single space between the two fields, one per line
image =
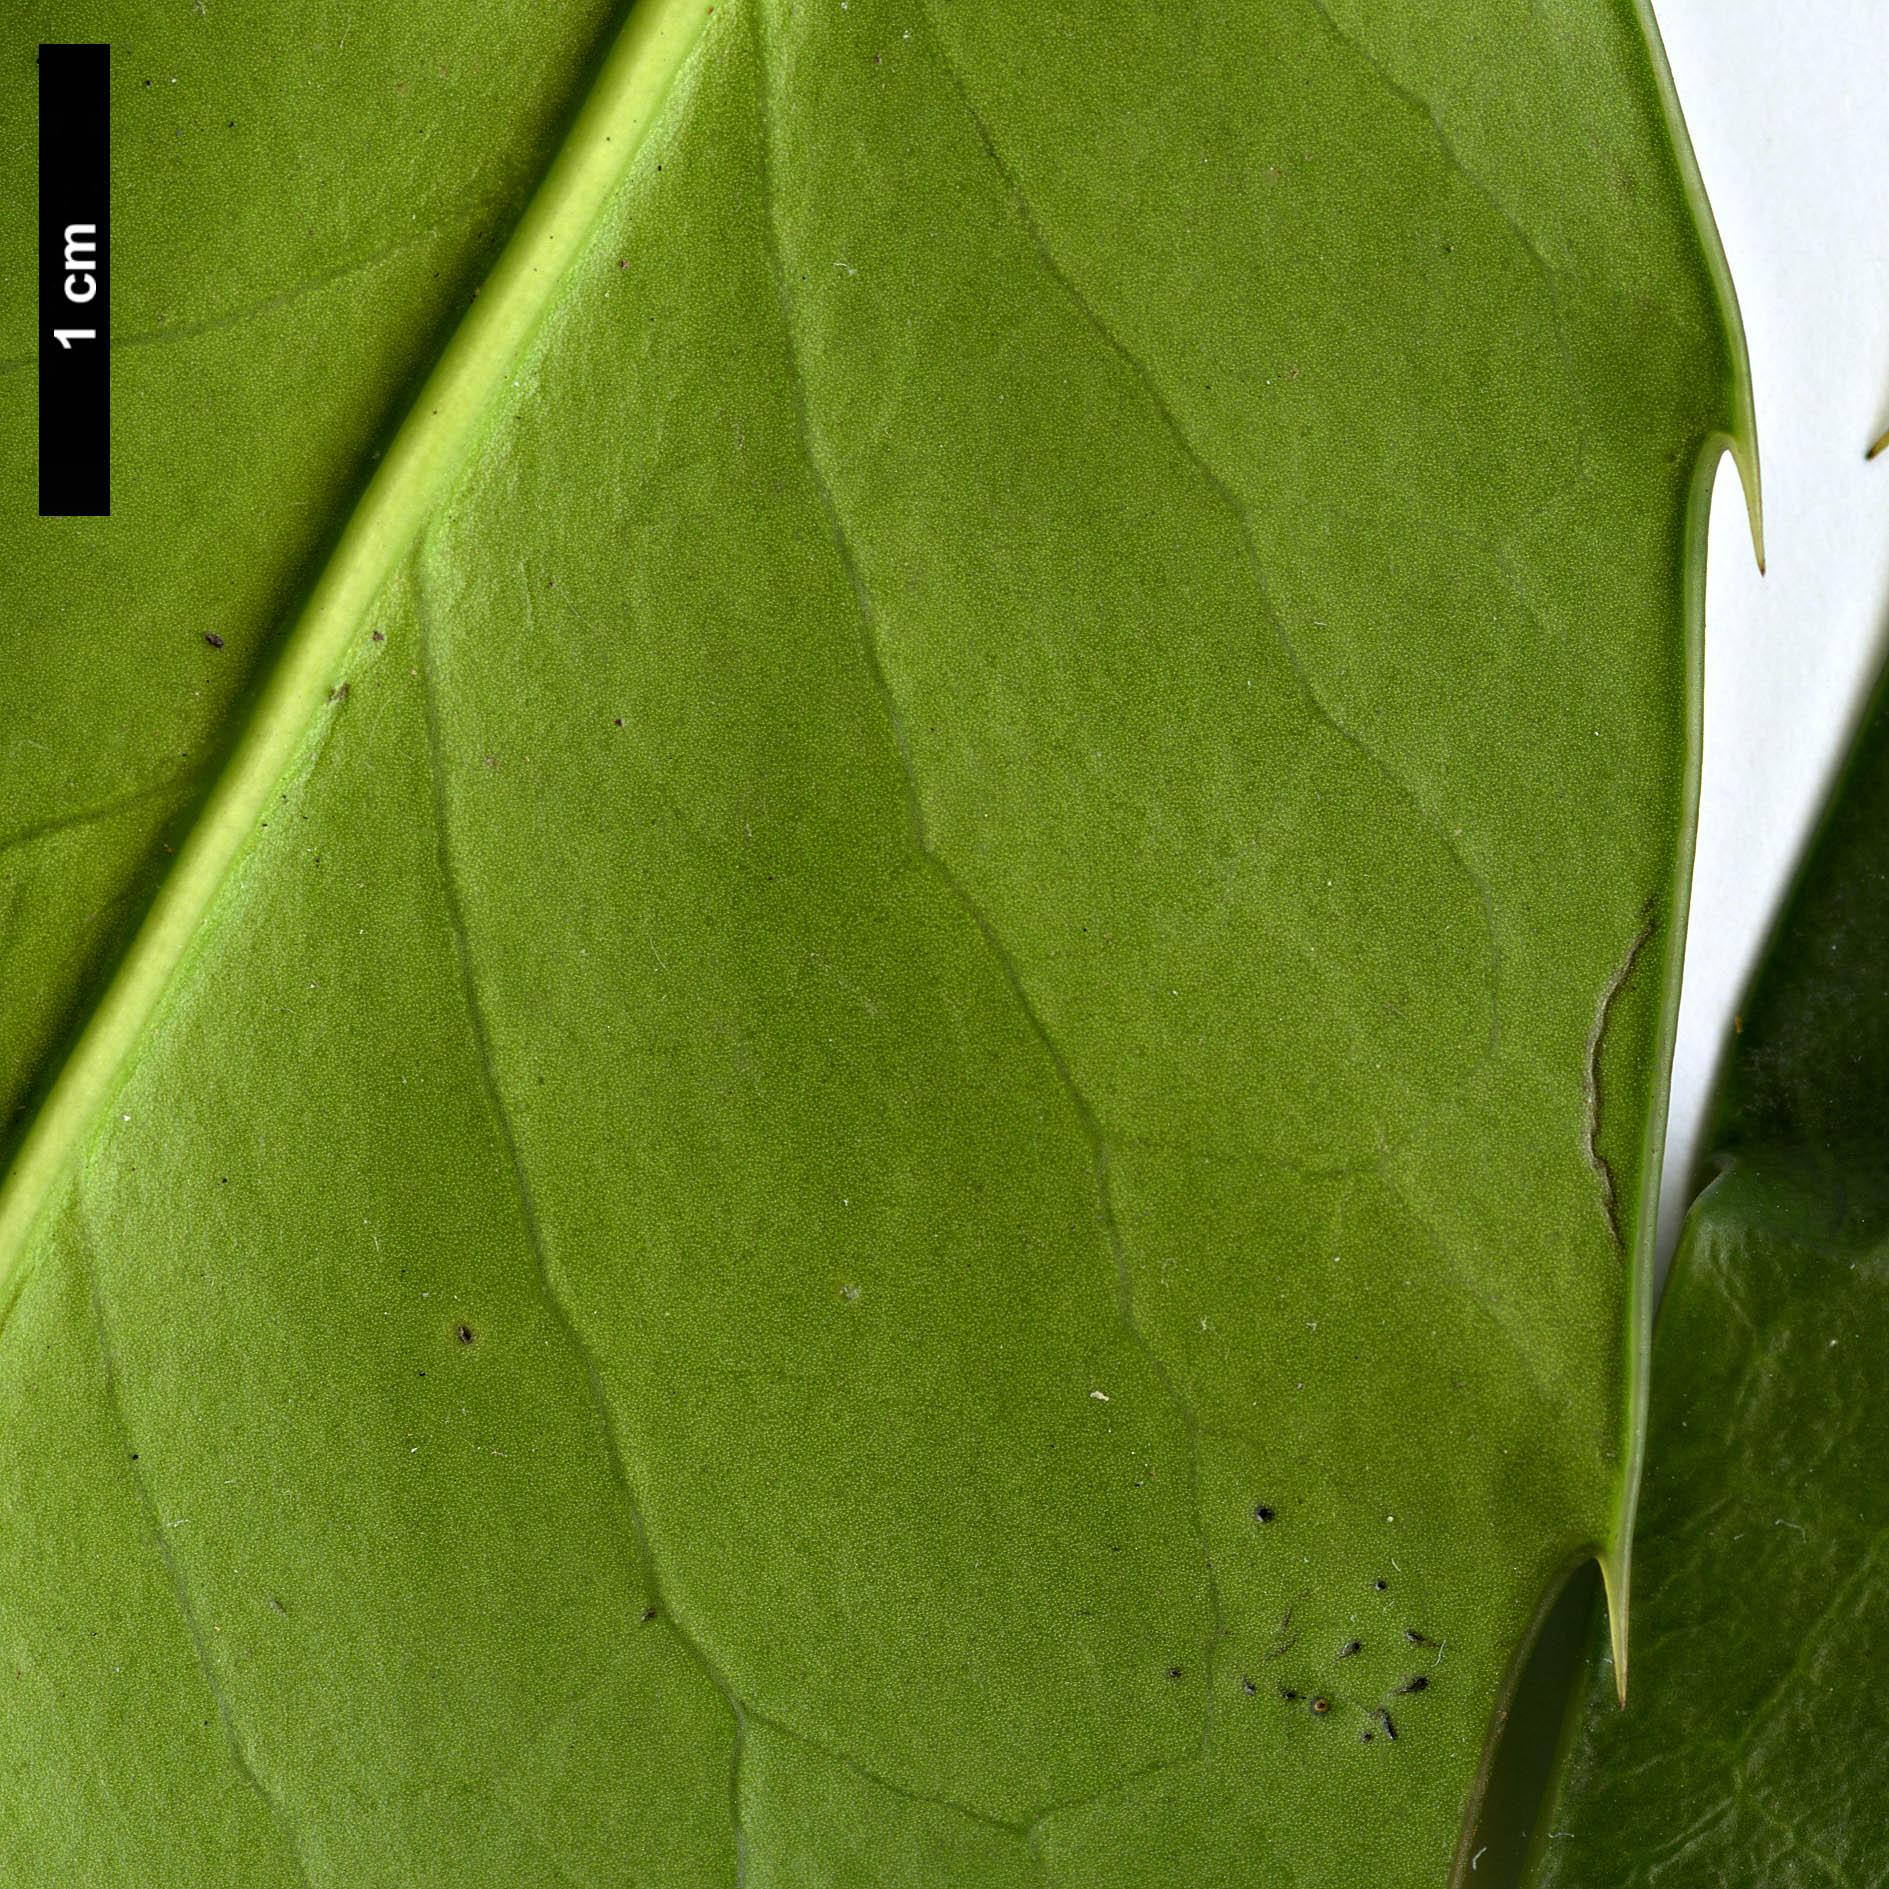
x=74 y=281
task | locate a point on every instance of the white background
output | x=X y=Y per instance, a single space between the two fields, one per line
x=1788 y=105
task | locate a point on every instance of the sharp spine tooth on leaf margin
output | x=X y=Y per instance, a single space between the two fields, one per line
x=1615 y=1574
x=433 y=443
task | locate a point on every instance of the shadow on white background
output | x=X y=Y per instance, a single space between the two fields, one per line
x=1789 y=114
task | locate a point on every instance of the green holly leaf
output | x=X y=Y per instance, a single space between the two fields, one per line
x=871 y=1091
x=1753 y=1745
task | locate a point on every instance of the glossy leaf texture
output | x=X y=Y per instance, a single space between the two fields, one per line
x=1755 y=1745
x=917 y=1144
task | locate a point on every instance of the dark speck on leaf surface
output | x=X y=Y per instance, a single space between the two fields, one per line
x=649 y=1614
x=1417 y=1639
x=1174 y=1672
x=465 y=1334
x=1263 y=1514
x=1350 y=1647
x=1320 y=1707
x=1248 y=1687
x=214 y=640
x=1380 y=1585
x=1418 y=1683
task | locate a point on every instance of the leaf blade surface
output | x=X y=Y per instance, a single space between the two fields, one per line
x=1752 y=1750
x=930 y=977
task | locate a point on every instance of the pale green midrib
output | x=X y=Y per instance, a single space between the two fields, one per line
x=431 y=446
